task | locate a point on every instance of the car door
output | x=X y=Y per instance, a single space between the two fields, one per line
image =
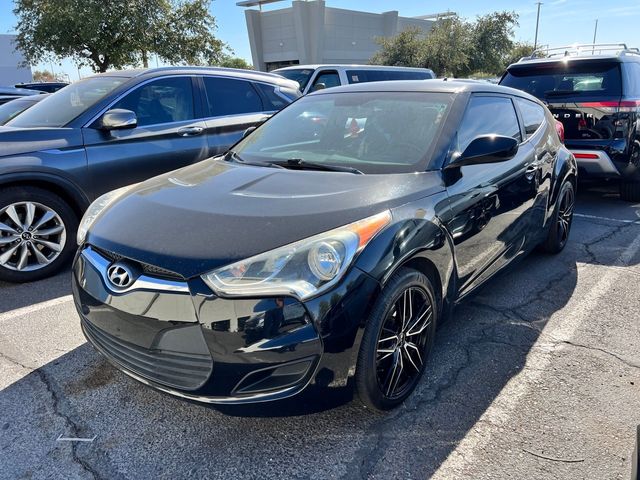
x=540 y=138
x=489 y=203
x=169 y=134
x=232 y=105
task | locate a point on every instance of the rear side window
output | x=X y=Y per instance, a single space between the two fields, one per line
x=488 y=116
x=566 y=79
x=274 y=101
x=230 y=96
x=162 y=101
x=532 y=115
x=361 y=76
x=632 y=78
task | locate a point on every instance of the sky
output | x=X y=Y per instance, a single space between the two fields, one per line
x=562 y=22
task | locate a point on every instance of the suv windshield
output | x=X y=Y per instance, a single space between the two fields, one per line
x=558 y=79
x=66 y=104
x=300 y=75
x=373 y=132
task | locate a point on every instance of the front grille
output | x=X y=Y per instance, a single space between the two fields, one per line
x=146 y=268
x=187 y=371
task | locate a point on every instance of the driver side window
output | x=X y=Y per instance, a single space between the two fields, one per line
x=488 y=115
x=166 y=100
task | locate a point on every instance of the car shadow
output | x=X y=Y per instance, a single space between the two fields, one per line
x=319 y=434
x=19 y=295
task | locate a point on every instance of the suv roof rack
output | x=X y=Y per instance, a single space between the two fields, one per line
x=581 y=49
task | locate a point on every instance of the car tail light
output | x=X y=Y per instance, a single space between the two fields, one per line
x=560 y=130
x=613 y=107
x=589 y=156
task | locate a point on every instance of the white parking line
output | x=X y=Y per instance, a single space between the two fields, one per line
x=607 y=219
x=18 y=312
x=560 y=327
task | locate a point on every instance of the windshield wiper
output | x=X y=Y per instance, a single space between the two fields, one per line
x=231 y=156
x=298 y=163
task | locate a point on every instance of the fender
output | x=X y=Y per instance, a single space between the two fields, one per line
x=565 y=166
x=54 y=178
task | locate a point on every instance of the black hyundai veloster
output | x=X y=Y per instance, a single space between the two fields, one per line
x=326 y=245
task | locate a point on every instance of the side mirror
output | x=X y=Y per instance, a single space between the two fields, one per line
x=248 y=131
x=486 y=149
x=118 y=119
x=318 y=86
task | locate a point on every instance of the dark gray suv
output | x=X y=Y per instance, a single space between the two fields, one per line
x=108 y=131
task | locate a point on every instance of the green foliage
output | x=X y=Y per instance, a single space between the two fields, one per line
x=405 y=49
x=454 y=46
x=519 y=50
x=46 y=76
x=235 y=62
x=117 y=33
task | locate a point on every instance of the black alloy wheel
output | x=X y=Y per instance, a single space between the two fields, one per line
x=563 y=218
x=397 y=341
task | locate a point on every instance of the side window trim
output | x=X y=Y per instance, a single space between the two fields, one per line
x=93 y=119
x=523 y=126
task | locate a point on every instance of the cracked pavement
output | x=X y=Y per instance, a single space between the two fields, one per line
x=536 y=376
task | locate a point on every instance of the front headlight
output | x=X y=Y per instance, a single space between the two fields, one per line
x=96 y=208
x=301 y=269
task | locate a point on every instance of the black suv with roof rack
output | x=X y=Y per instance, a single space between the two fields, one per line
x=594 y=90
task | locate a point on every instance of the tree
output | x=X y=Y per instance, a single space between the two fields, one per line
x=519 y=50
x=235 y=62
x=405 y=49
x=117 y=33
x=446 y=48
x=45 y=76
x=454 y=46
x=491 y=41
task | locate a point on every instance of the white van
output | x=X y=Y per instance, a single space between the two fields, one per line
x=315 y=77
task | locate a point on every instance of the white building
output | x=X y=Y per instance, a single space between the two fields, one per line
x=308 y=32
x=11 y=71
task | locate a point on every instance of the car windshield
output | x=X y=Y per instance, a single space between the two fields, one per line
x=66 y=104
x=13 y=108
x=373 y=132
x=566 y=79
x=300 y=75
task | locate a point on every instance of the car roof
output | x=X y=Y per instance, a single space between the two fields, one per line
x=360 y=67
x=228 y=72
x=428 y=86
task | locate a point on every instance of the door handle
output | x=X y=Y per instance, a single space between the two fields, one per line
x=531 y=172
x=190 y=131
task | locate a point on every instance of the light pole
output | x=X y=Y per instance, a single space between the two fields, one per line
x=535 y=42
x=595 y=32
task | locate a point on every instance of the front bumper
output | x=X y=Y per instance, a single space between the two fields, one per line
x=176 y=336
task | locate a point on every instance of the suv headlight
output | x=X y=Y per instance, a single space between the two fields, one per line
x=302 y=269
x=96 y=208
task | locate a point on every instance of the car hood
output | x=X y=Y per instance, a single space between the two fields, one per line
x=17 y=141
x=198 y=218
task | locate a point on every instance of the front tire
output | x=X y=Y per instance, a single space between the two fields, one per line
x=37 y=234
x=561 y=221
x=397 y=341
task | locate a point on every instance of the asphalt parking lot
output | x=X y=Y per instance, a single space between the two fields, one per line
x=537 y=376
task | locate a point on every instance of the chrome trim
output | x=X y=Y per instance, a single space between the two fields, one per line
x=143 y=282
x=600 y=165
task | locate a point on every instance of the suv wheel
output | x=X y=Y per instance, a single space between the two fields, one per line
x=396 y=341
x=630 y=191
x=37 y=233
